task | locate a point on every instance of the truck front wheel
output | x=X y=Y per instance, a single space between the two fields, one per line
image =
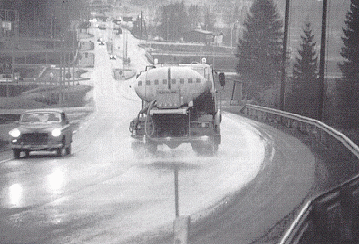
x=151 y=147
x=205 y=149
x=144 y=149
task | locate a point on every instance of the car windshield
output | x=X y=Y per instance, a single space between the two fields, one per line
x=41 y=117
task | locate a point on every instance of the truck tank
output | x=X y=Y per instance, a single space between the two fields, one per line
x=171 y=87
x=179 y=106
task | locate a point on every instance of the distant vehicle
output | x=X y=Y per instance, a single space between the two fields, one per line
x=9 y=77
x=42 y=129
x=101 y=43
x=117 y=21
x=127 y=18
x=179 y=106
x=113 y=57
x=102 y=27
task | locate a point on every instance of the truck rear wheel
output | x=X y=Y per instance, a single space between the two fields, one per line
x=142 y=149
x=138 y=149
x=215 y=147
x=205 y=149
x=16 y=153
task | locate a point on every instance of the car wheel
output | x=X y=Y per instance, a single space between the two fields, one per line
x=68 y=150
x=16 y=153
x=27 y=153
x=59 y=152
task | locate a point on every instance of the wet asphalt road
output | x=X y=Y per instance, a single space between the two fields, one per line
x=103 y=193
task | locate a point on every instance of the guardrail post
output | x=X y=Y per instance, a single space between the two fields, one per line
x=348 y=207
x=354 y=185
x=332 y=217
x=284 y=122
x=320 y=223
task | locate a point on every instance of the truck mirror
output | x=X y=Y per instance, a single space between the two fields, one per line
x=222 y=79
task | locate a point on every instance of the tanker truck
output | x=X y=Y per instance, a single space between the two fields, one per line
x=179 y=105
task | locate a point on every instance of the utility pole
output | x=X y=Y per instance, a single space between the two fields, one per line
x=284 y=57
x=74 y=40
x=322 y=62
x=124 y=51
x=141 y=26
x=176 y=191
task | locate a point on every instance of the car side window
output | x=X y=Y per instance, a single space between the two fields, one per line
x=54 y=117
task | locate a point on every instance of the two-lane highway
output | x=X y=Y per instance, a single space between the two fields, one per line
x=103 y=193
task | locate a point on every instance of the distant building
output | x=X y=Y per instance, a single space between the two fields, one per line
x=198 y=35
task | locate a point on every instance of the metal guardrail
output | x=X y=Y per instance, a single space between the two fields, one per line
x=331 y=217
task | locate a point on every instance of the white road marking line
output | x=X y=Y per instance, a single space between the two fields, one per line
x=6 y=160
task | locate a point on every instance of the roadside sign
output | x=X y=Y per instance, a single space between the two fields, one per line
x=236 y=93
x=181 y=229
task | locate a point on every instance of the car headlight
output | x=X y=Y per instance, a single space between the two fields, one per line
x=15 y=132
x=56 y=132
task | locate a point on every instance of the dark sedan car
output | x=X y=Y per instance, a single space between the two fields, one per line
x=42 y=129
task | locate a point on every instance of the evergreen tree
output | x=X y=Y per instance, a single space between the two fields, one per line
x=231 y=13
x=137 y=30
x=304 y=97
x=305 y=68
x=42 y=17
x=260 y=49
x=174 y=21
x=209 y=20
x=194 y=16
x=348 y=88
